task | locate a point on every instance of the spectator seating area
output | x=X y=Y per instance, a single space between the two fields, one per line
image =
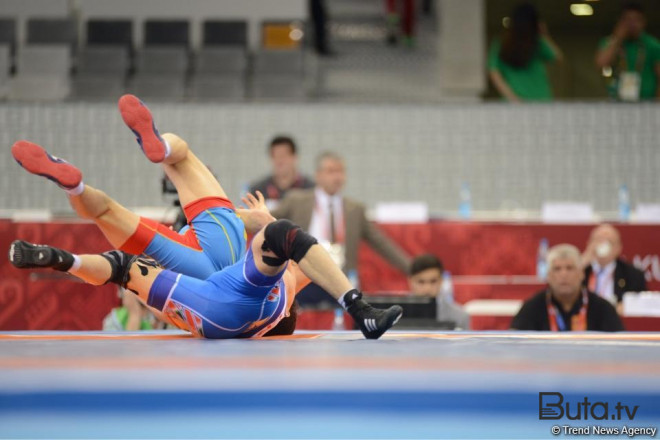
x=54 y=63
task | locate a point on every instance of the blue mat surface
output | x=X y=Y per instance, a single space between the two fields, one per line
x=322 y=385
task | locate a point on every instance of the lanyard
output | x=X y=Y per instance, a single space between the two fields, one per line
x=639 y=62
x=338 y=227
x=578 y=322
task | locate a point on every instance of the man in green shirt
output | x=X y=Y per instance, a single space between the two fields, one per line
x=633 y=57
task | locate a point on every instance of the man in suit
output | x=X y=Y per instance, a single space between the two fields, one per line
x=605 y=272
x=338 y=222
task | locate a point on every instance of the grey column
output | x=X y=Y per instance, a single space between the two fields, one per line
x=462 y=47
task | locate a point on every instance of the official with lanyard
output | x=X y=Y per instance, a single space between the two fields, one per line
x=629 y=81
x=566 y=305
x=558 y=318
x=630 y=57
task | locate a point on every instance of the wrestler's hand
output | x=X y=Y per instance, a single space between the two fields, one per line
x=256 y=203
x=254 y=220
x=257 y=215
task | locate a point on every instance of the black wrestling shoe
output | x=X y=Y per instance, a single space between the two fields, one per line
x=26 y=255
x=372 y=321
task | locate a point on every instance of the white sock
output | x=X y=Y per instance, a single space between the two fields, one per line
x=77 y=190
x=342 y=299
x=168 y=149
x=77 y=262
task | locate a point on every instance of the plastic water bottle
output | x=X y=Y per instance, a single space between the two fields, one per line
x=338 y=323
x=353 y=277
x=541 y=264
x=624 y=203
x=465 y=206
x=447 y=287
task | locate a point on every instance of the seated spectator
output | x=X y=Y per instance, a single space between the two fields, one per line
x=284 y=161
x=633 y=57
x=425 y=280
x=605 y=272
x=131 y=316
x=517 y=62
x=566 y=305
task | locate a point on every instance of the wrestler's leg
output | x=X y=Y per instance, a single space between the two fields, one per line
x=315 y=262
x=281 y=241
x=214 y=226
x=116 y=222
x=151 y=284
x=192 y=179
x=97 y=270
x=127 y=231
x=190 y=176
x=113 y=266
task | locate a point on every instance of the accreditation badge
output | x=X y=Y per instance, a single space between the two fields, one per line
x=630 y=85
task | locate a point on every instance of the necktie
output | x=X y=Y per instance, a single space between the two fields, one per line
x=333 y=238
x=600 y=282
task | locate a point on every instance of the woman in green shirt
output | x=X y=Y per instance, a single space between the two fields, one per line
x=517 y=62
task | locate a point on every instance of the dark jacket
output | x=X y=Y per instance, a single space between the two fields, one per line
x=601 y=315
x=270 y=190
x=627 y=278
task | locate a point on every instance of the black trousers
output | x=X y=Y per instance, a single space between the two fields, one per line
x=319 y=17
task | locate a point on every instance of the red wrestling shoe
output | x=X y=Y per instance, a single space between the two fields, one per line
x=37 y=161
x=138 y=118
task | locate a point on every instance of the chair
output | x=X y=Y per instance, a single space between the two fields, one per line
x=161 y=72
x=8 y=33
x=162 y=60
x=279 y=62
x=52 y=31
x=221 y=65
x=279 y=74
x=44 y=60
x=110 y=33
x=42 y=73
x=225 y=33
x=282 y=35
x=159 y=87
x=101 y=72
x=221 y=61
x=5 y=67
x=166 y=33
